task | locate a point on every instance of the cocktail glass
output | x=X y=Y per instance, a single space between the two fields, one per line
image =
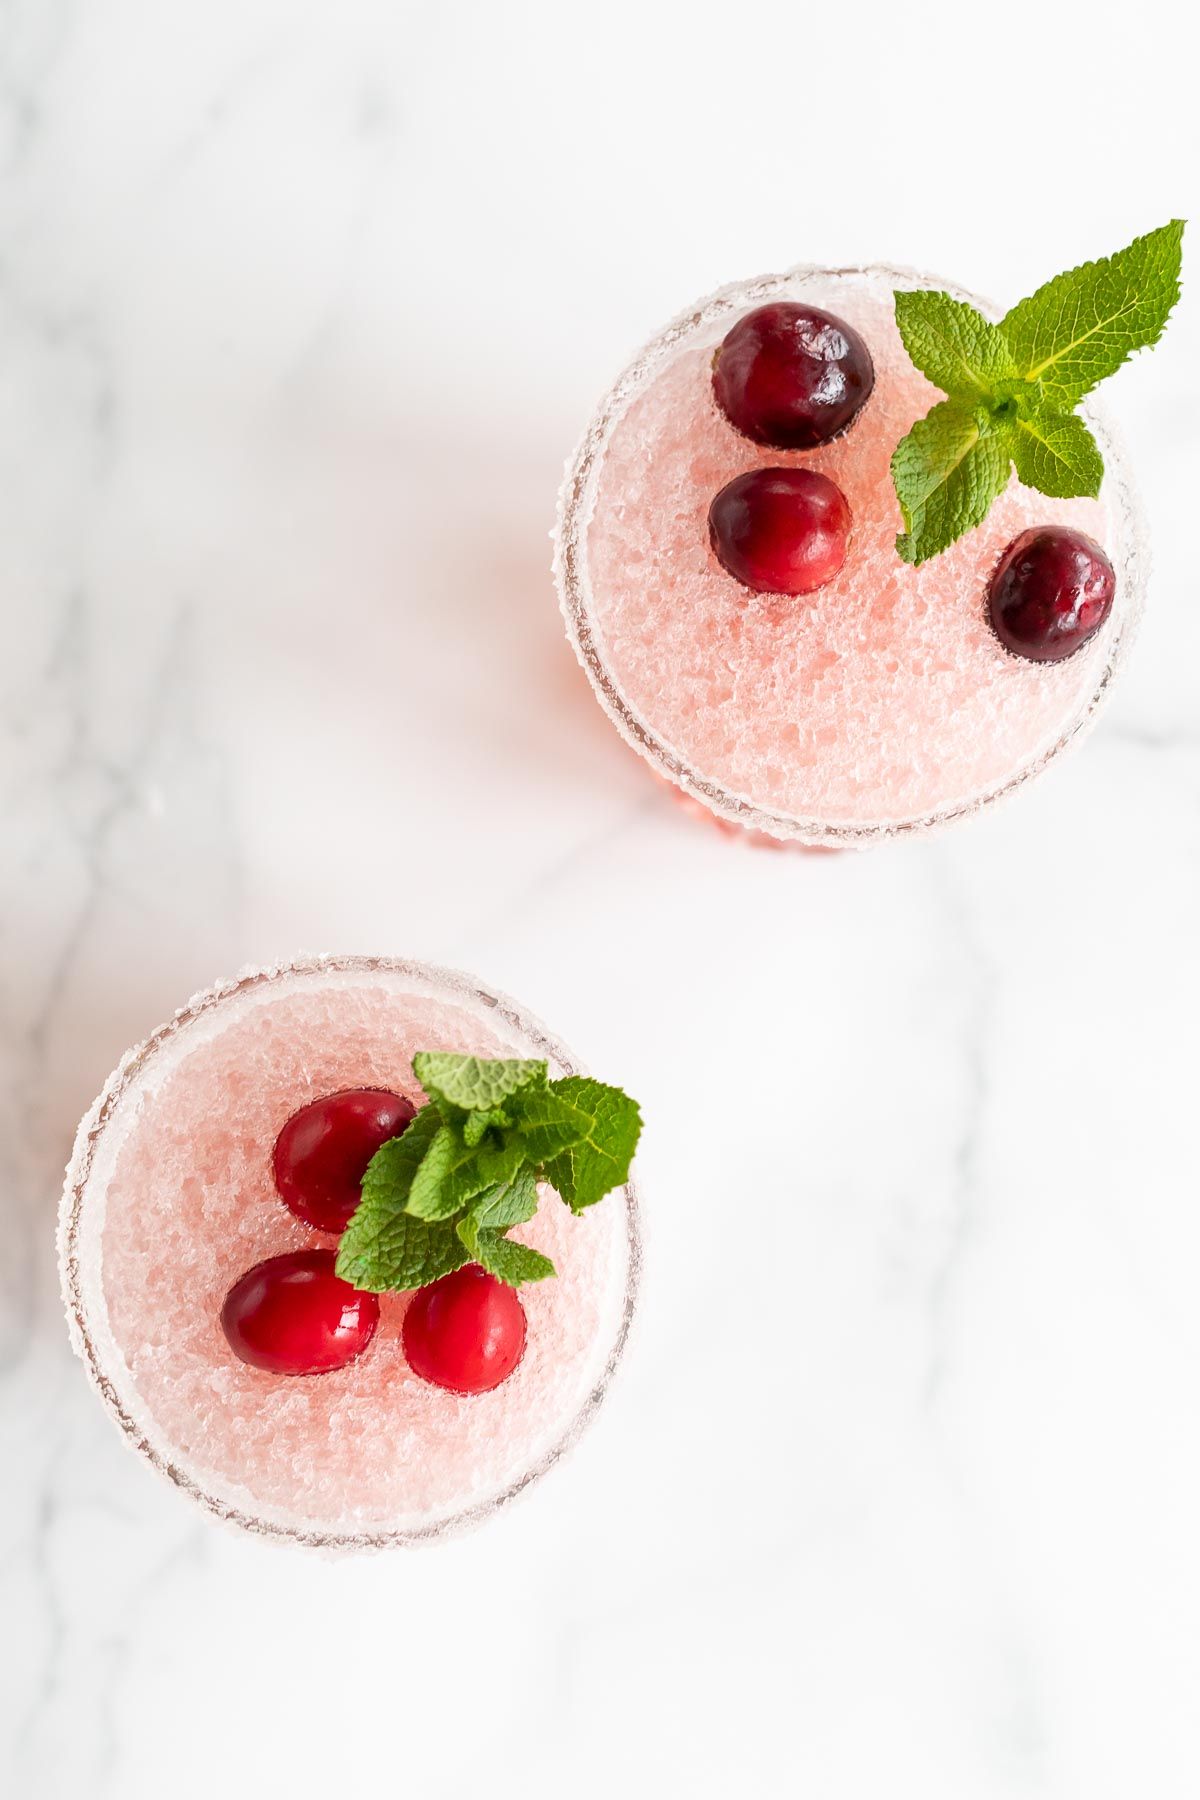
x=882 y=704
x=169 y=1198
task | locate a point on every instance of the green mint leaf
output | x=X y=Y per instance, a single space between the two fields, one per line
x=384 y=1247
x=500 y=1256
x=508 y=1202
x=947 y=472
x=586 y=1171
x=952 y=343
x=499 y=1162
x=1013 y=388
x=1082 y=325
x=447 y=1177
x=511 y=1262
x=476 y=1125
x=402 y=1253
x=466 y=1230
x=547 y=1122
x=460 y=1177
x=396 y=1162
x=473 y=1083
x=1057 y=454
x=453 y=1172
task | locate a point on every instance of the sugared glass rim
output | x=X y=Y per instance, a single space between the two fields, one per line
x=142 y=1435
x=575 y=507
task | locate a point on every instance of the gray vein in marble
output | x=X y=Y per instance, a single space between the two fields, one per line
x=375 y=131
x=34 y=36
x=1147 y=737
x=1017 y=1728
x=53 y=1613
x=95 y=793
x=72 y=814
x=119 y=1648
x=958 y=1227
x=228 y=100
x=542 y=882
x=105 y=833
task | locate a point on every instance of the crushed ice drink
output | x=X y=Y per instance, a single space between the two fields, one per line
x=882 y=702
x=170 y=1198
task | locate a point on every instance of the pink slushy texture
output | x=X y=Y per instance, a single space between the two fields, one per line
x=191 y=1205
x=882 y=697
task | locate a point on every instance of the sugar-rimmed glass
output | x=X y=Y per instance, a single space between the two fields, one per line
x=703 y=326
x=471 y=1012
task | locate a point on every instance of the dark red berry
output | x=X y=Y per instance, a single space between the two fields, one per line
x=465 y=1332
x=321 y=1155
x=780 y=531
x=1051 y=591
x=293 y=1316
x=792 y=376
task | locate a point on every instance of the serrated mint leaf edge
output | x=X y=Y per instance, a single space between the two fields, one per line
x=550 y=1123
x=1056 y=403
x=986 y=443
x=918 y=313
x=509 y=1203
x=511 y=1261
x=406 y=1255
x=1082 y=479
x=392 y=1242
x=379 y=1245
x=913 y=455
x=435 y=1192
x=563 y=1170
x=475 y=1083
x=1030 y=315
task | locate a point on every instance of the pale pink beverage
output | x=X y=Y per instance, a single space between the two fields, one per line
x=169 y=1199
x=881 y=703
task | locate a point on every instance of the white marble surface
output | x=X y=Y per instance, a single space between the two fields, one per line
x=301 y=308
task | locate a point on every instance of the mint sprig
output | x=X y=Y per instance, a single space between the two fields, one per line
x=1011 y=389
x=451 y=1187
x=947 y=472
x=584 y=1170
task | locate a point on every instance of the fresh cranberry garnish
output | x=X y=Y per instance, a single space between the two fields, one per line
x=293 y=1316
x=465 y=1332
x=321 y=1155
x=780 y=531
x=1051 y=591
x=792 y=376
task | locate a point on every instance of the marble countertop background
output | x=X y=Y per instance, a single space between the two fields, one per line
x=301 y=309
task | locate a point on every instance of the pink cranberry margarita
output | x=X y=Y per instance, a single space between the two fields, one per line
x=171 y=1197
x=872 y=698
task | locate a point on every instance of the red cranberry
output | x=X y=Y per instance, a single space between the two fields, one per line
x=465 y=1332
x=294 y=1316
x=1051 y=591
x=780 y=531
x=792 y=376
x=321 y=1155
